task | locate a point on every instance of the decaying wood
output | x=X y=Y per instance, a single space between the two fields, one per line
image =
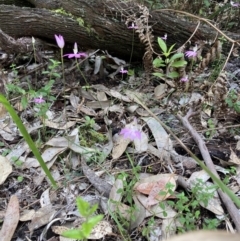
x=97 y=24
x=20 y=45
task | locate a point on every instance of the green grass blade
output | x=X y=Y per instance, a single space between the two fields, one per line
x=27 y=138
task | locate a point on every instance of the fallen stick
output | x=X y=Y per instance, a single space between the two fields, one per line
x=232 y=209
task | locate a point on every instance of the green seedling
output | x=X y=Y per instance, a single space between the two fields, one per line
x=169 y=61
x=211 y=132
x=188 y=207
x=233 y=101
x=87 y=212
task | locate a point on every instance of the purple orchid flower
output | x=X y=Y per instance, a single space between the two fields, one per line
x=75 y=53
x=60 y=41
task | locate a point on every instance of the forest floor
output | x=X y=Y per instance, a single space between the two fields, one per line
x=102 y=128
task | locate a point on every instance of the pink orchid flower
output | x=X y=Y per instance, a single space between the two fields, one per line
x=123 y=71
x=191 y=53
x=234 y=4
x=60 y=41
x=133 y=26
x=164 y=37
x=39 y=100
x=75 y=53
x=184 y=79
x=131 y=133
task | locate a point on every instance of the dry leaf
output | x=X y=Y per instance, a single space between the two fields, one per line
x=161 y=137
x=11 y=220
x=119 y=146
x=99 y=231
x=234 y=158
x=139 y=214
x=141 y=145
x=160 y=91
x=5 y=169
x=59 y=125
x=41 y=217
x=214 y=203
x=27 y=215
x=3 y=111
x=153 y=185
x=45 y=198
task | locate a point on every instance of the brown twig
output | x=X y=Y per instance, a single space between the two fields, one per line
x=232 y=209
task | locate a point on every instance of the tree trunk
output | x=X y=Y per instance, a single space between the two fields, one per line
x=97 y=24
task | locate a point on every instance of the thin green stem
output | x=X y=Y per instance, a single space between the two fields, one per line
x=63 y=68
x=81 y=72
x=132 y=48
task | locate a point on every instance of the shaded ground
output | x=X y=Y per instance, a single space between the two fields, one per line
x=91 y=109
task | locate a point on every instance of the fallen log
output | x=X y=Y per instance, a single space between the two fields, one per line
x=101 y=24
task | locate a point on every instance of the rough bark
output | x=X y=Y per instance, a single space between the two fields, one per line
x=103 y=24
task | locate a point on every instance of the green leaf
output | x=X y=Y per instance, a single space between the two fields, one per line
x=236 y=107
x=179 y=63
x=83 y=207
x=92 y=209
x=131 y=72
x=95 y=220
x=20 y=178
x=162 y=45
x=176 y=56
x=56 y=75
x=173 y=75
x=88 y=226
x=158 y=75
x=170 y=49
x=86 y=229
x=24 y=102
x=158 y=62
x=73 y=233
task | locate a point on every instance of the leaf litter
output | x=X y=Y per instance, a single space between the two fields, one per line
x=92 y=170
